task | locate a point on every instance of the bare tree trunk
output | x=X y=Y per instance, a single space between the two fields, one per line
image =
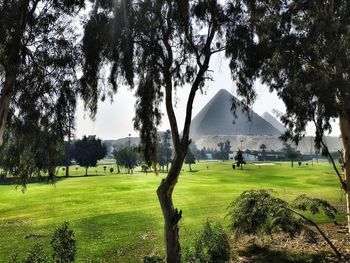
x=171 y=215
x=344 y=122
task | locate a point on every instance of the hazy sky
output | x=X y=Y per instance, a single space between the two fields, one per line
x=114 y=120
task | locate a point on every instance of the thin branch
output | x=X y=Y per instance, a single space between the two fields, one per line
x=343 y=184
x=318 y=229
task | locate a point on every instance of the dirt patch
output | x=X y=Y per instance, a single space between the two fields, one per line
x=35 y=235
x=16 y=223
x=283 y=248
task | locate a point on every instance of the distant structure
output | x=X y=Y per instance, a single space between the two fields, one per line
x=274 y=122
x=216 y=118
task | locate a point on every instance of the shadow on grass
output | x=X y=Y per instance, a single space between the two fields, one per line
x=260 y=254
x=41 y=180
x=32 y=180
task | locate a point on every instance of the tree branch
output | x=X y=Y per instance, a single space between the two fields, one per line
x=343 y=184
x=318 y=229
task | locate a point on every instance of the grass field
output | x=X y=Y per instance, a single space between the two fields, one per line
x=117 y=218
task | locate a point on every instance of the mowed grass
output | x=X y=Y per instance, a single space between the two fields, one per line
x=117 y=218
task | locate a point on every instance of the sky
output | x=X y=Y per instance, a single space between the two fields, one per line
x=115 y=120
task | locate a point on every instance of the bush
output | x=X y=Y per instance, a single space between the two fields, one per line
x=111 y=170
x=63 y=244
x=13 y=259
x=36 y=255
x=211 y=245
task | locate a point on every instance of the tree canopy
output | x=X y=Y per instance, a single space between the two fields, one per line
x=127 y=157
x=38 y=58
x=300 y=49
x=88 y=150
x=190 y=159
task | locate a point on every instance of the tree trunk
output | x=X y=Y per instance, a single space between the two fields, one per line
x=344 y=122
x=67 y=170
x=86 y=168
x=5 y=99
x=171 y=215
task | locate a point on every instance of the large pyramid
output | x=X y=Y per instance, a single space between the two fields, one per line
x=216 y=118
x=274 y=122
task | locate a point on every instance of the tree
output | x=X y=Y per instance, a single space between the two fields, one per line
x=263 y=148
x=88 y=151
x=290 y=153
x=126 y=157
x=158 y=46
x=224 y=150
x=239 y=159
x=29 y=150
x=190 y=159
x=300 y=50
x=164 y=151
x=168 y=151
x=37 y=55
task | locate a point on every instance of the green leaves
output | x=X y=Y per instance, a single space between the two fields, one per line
x=314 y=205
x=257 y=212
x=89 y=150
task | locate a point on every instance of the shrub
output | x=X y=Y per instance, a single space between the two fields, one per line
x=36 y=255
x=13 y=259
x=63 y=244
x=257 y=212
x=111 y=170
x=211 y=245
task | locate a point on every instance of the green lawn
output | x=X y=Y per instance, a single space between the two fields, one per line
x=117 y=218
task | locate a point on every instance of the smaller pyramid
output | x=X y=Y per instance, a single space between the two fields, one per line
x=274 y=122
x=216 y=118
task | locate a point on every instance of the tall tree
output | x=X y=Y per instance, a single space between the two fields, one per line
x=263 y=149
x=37 y=53
x=301 y=50
x=29 y=150
x=126 y=157
x=190 y=158
x=88 y=151
x=157 y=46
x=239 y=159
x=290 y=153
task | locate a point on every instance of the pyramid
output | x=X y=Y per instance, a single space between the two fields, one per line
x=216 y=118
x=274 y=122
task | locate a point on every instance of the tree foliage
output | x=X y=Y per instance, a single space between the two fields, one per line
x=224 y=150
x=88 y=150
x=127 y=157
x=39 y=57
x=63 y=244
x=300 y=49
x=290 y=153
x=31 y=151
x=239 y=159
x=257 y=212
x=211 y=244
x=190 y=159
